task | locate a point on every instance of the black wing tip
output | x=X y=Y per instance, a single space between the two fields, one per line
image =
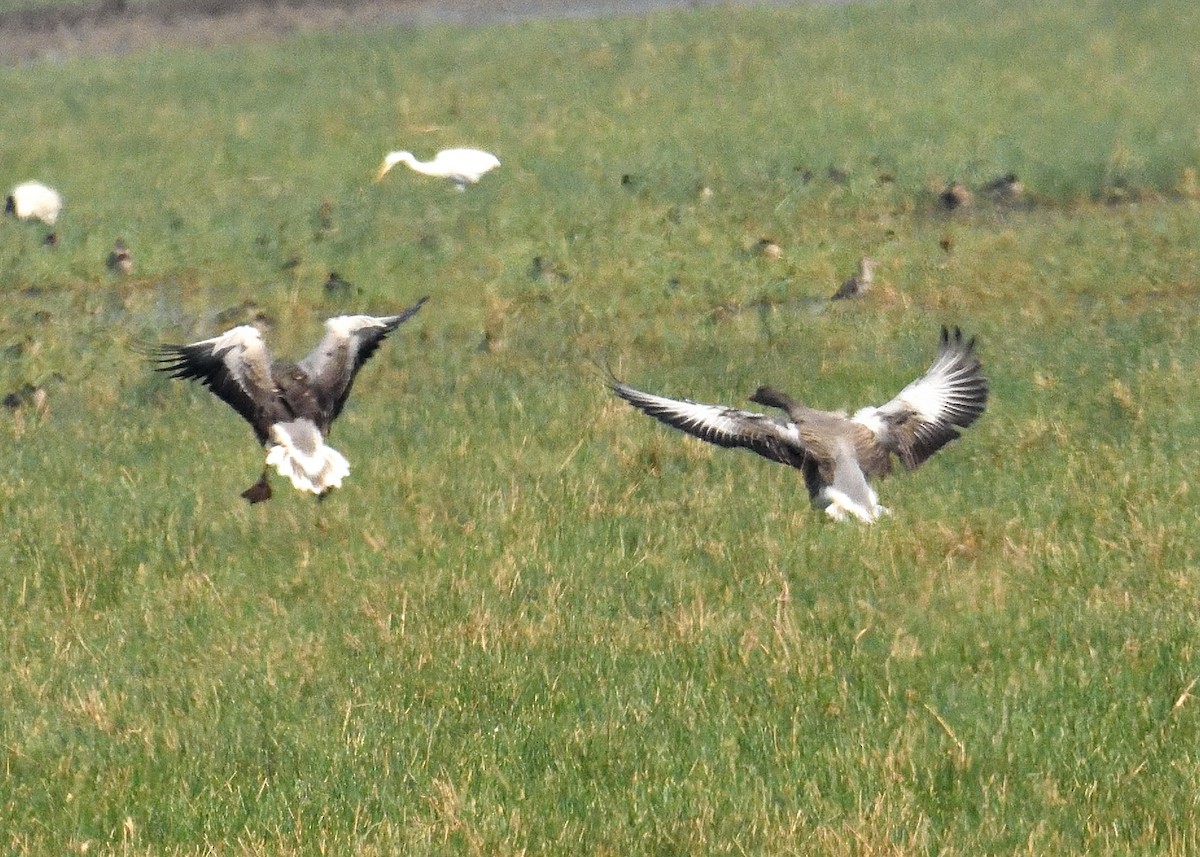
x=621 y=389
x=405 y=315
x=164 y=357
x=626 y=393
x=149 y=348
x=604 y=368
x=952 y=340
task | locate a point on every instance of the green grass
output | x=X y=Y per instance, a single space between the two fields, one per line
x=533 y=621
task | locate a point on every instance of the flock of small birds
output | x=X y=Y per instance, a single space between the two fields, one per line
x=292 y=405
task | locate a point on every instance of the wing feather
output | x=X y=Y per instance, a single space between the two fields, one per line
x=722 y=426
x=349 y=342
x=926 y=414
x=235 y=366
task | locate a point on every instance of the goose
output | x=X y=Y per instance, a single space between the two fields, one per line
x=461 y=166
x=858 y=284
x=837 y=454
x=34 y=201
x=289 y=405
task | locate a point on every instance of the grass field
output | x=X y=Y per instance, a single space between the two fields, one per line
x=533 y=621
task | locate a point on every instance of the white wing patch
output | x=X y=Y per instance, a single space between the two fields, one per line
x=345 y=326
x=927 y=414
x=870 y=418
x=951 y=390
x=695 y=416
x=245 y=355
x=722 y=426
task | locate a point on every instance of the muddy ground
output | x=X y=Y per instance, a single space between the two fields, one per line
x=113 y=27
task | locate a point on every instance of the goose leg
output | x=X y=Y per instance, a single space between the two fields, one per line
x=259 y=491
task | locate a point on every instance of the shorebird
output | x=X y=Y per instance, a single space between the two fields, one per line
x=769 y=248
x=461 y=166
x=289 y=405
x=337 y=287
x=34 y=201
x=838 y=454
x=955 y=196
x=120 y=260
x=1006 y=188
x=858 y=284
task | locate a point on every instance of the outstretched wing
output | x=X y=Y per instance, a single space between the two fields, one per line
x=719 y=425
x=236 y=366
x=927 y=414
x=349 y=342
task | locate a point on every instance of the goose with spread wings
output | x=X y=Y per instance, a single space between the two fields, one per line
x=838 y=455
x=289 y=405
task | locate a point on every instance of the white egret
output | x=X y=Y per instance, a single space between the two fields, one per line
x=461 y=166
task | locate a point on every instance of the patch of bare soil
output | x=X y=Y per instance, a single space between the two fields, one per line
x=113 y=27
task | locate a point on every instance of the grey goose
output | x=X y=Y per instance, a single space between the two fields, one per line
x=289 y=405
x=838 y=455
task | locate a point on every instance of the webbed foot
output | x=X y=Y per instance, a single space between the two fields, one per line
x=259 y=491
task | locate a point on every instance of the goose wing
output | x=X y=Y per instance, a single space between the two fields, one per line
x=927 y=414
x=349 y=342
x=236 y=366
x=728 y=427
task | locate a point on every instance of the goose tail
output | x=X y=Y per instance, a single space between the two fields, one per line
x=299 y=453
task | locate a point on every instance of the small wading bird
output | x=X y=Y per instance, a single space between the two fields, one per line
x=859 y=284
x=34 y=201
x=838 y=454
x=290 y=405
x=1006 y=188
x=120 y=260
x=461 y=166
x=955 y=196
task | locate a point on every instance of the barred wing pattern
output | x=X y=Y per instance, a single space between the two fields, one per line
x=727 y=427
x=926 y=414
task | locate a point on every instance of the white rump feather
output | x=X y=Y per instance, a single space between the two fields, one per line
x=299 y=453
